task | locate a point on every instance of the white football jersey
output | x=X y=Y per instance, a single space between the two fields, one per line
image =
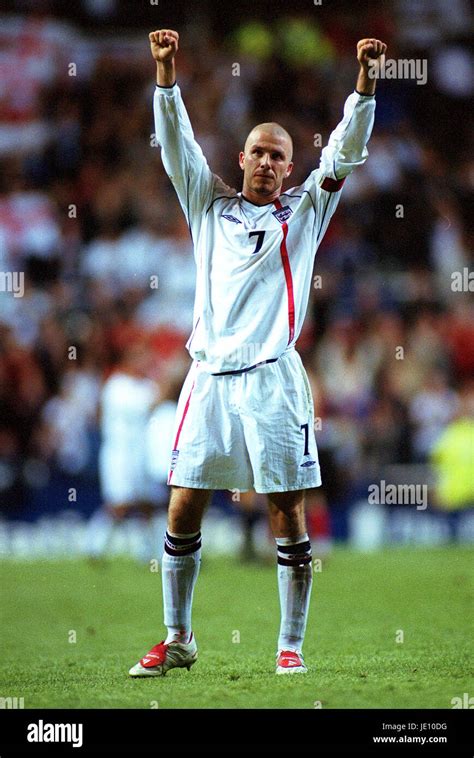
x=254 y=262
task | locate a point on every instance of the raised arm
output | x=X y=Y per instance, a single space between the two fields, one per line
x=164 y=46
x=182 y=157
x=369 y=55
x=347 y=146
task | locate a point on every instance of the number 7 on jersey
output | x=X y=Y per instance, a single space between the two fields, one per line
x=260 y=236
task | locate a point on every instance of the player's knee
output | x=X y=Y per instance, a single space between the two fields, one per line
x=185 y=497
x=292 y=511
x=186 y=509
x=286 y=502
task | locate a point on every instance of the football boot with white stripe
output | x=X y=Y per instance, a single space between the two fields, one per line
x=166 y=656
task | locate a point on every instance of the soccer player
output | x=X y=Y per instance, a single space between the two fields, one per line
x=245 y=413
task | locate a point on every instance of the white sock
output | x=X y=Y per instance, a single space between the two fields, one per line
x=180 y=569
x=295 y=578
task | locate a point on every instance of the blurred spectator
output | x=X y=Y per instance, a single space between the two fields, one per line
x=453 y=462
x=161 y=431
x=431 y=410
x=67 y=418
x=128 y=397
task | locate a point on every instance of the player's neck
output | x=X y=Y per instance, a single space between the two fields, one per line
x=256 y=199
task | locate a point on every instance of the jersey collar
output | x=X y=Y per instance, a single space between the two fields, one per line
x=256 y=205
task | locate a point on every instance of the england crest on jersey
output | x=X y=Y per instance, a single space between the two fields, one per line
x=282 y=214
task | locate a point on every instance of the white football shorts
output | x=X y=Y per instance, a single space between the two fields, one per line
x=248 y=430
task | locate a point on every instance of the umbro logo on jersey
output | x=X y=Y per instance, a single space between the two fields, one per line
x=231 y=218
x=307 y=464
x=282 y=213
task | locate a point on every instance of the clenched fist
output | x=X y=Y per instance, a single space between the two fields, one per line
x=164 y=44
x=369 y=49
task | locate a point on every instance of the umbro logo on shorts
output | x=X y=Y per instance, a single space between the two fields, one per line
x=174 y=458
x=282 y=213
x=307 y=464
x=229 y=217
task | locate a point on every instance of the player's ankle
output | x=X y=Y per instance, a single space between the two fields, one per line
x=178 y=635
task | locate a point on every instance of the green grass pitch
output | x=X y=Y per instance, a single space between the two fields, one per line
x=390 y=629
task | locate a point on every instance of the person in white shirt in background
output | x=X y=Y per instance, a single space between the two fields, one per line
x=159 y=433
x=127 y=399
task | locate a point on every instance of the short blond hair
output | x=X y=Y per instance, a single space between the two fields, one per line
x=274 y=128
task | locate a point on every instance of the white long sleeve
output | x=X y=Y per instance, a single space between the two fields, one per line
x=182 y=156
x=347 y=146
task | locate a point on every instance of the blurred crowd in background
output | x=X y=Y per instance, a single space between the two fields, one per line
x=89 y=216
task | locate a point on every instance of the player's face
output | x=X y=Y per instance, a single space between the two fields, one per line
x=266 y=162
